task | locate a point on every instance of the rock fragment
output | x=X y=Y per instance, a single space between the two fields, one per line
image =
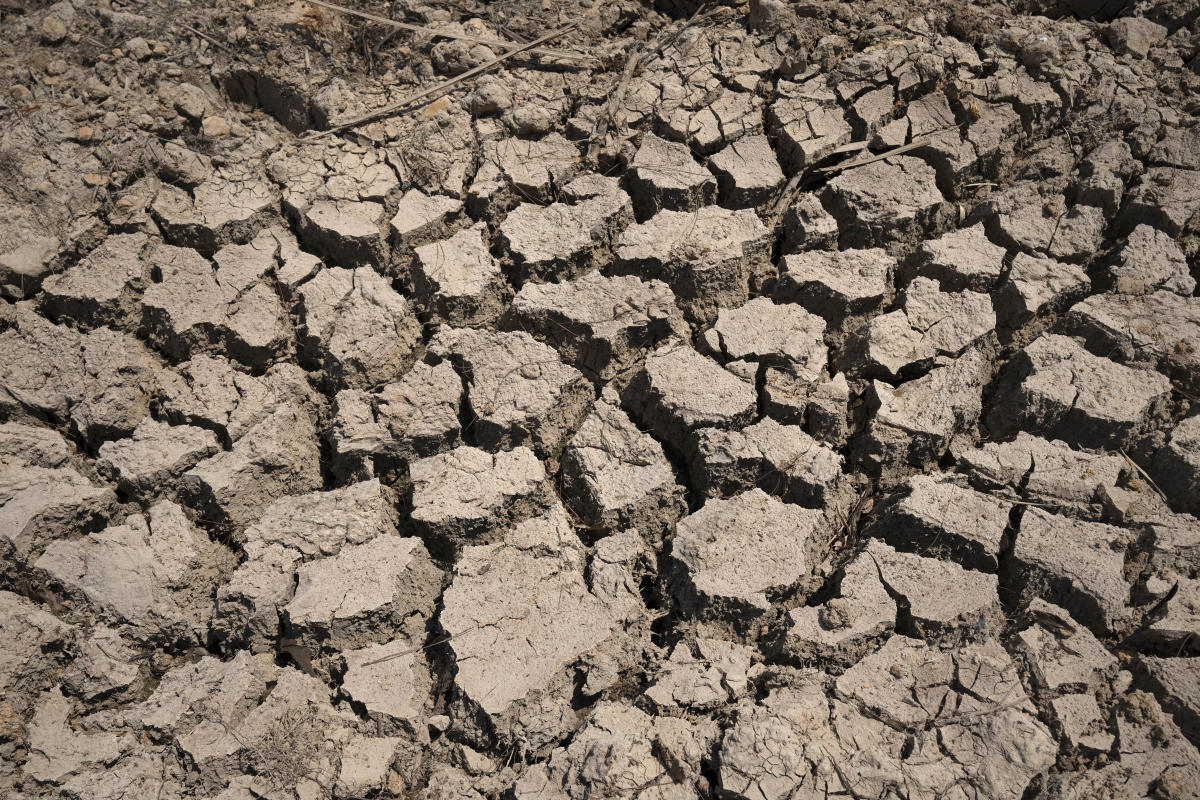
x=601 y=325
x=458 y=280
x=519 y=393
x=736 y=557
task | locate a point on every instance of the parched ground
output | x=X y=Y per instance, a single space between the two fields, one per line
x=769 y=400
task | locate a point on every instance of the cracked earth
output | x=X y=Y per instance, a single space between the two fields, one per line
x=766 y=400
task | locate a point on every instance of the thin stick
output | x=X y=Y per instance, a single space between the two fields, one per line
x=541 y=51
x=207 y=38
x=1142 y=472
x=413 y=650
x=895 y=151
x=388 y=111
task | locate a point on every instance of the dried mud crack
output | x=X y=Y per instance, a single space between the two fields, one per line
x=764 y=400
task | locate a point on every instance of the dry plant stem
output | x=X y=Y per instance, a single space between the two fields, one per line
x=395 y=108
x=541 y=51
x=895 y=151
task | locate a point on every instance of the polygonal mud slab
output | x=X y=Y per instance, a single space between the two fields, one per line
x=663 y=175
x=1057 y=388
x=561 y=241
x=763 y=332
x=1176 y=466
x=888 y=202
x=469 y=495
x=838 y=284
x=709 y=257
x=678 y=390
x=602 y=325
x=519 y=393
x=615 y=477
x=521 y=618
x=458 y=280
x=736 y=557
x=748 y=174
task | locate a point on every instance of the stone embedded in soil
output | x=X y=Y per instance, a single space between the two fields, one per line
x=602 y=325
x=807 y=123
x=391 y=681
x=914 y=423
x=735 y=557
x=103 y=288
x=942 y=601
x=357 y=329
x=616 y=477
x=709 y=257
x=277 y=456
x=962 y=260
x=155 y=455
x=230 y=206
x=779 y=459
x=1036 y=286
x=1149 y=260
x=938 y=516
x=1161 y=329
x=1078 y=565
x=679 y=390
x=561 y=241
x=229 y=309
x=808 y=226
x=366 y=594
x=210 y=393
x=763 y=332
x=747 y=172
x=1057 y=387
x=519 y=393
x=1046 y=472
x=415 y=417
x=1176 y=682
x=703 y=677
x=154 y=575
x=1176 y=466
x=521 y=619
x=458 y=280
x=845 y=627
x=837 y=284
x=664 y=175
x=469 y=495
x=887 y=202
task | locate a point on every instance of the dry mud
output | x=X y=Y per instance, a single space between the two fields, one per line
x=769 y=400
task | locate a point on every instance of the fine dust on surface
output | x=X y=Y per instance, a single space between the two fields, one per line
x=766 y=400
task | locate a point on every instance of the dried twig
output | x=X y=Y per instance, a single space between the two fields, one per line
x=895 y=151
x=1145 y=475
x=413 y=99
x=211 y=40
x=433 y=32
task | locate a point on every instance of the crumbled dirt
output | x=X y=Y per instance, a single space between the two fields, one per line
x=773 y=399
